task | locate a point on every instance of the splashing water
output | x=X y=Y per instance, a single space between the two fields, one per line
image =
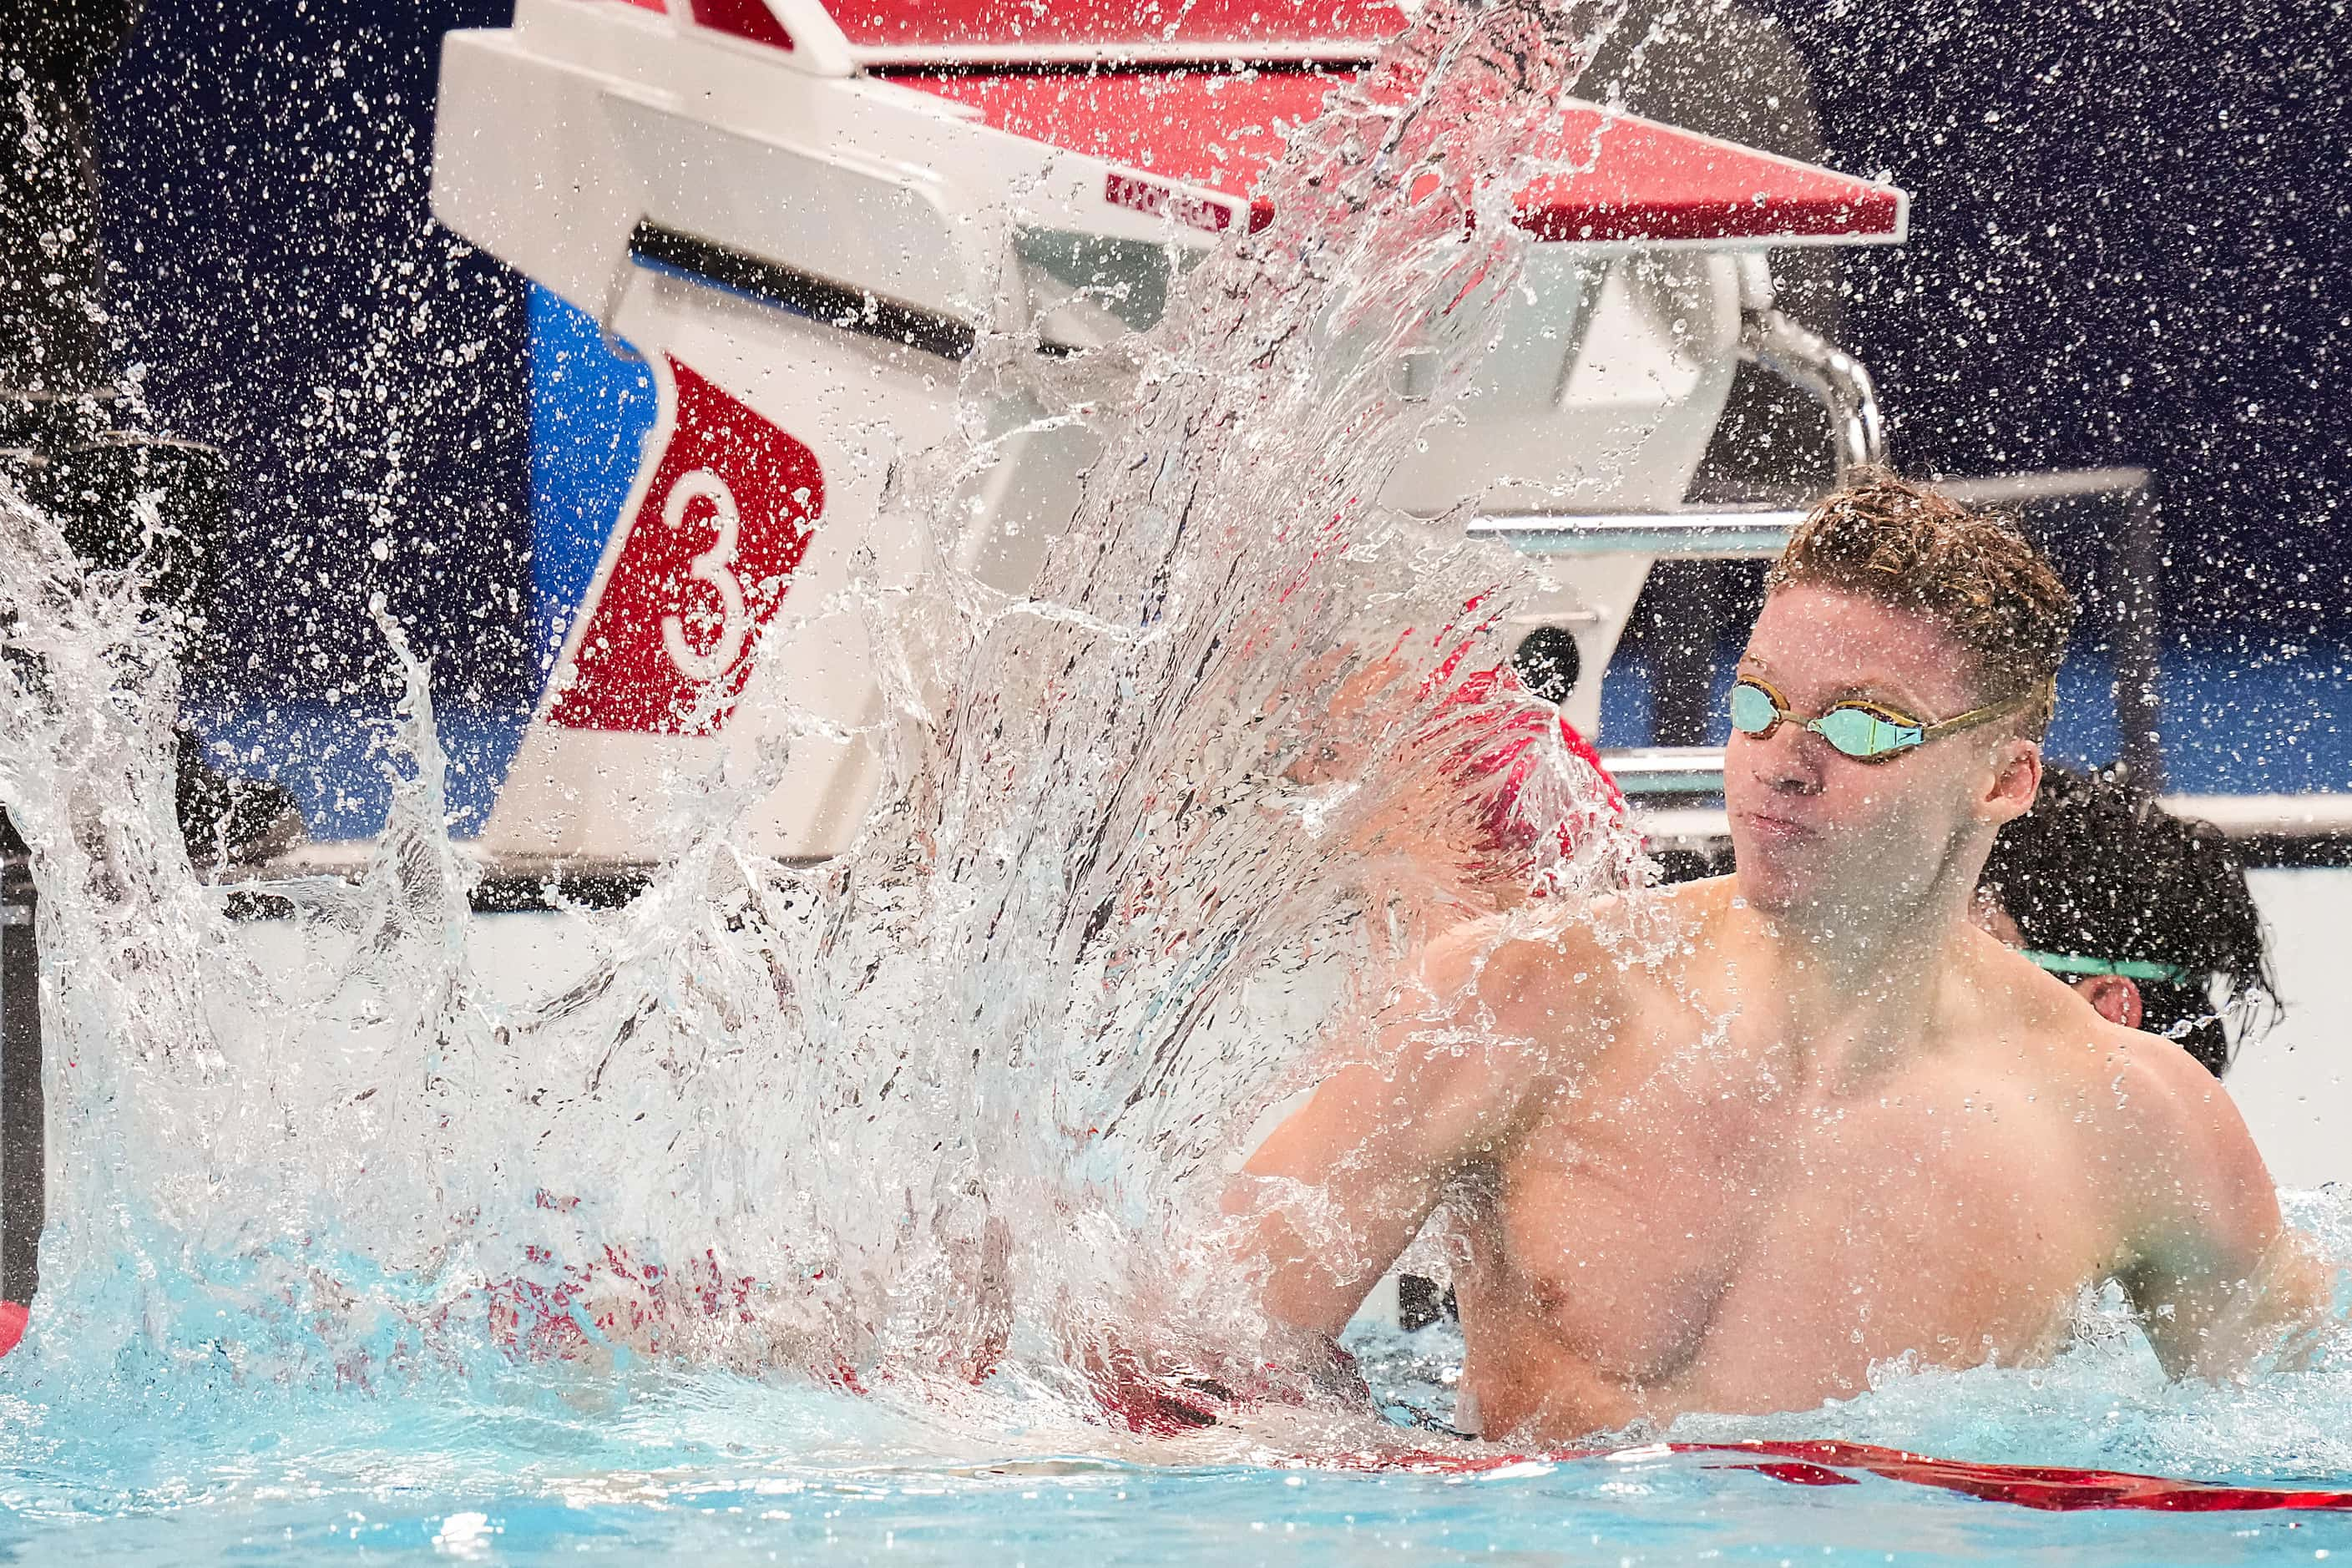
x=941 y=1109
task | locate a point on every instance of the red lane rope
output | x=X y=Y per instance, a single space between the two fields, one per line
x=1825 y=1463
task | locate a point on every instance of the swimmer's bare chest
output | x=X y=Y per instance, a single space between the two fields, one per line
x=1695 y=1235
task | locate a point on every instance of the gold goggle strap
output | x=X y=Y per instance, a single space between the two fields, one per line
x=2044 y=695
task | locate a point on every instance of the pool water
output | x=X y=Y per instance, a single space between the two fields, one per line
x=721 y=1470
x=197 y=1455
x=1042 y=1514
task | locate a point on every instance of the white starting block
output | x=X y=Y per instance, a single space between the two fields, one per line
x=810 y=223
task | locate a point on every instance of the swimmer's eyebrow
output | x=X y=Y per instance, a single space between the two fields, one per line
x=1885 y=693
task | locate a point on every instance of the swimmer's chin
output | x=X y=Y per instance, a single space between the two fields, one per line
x=1780 y=886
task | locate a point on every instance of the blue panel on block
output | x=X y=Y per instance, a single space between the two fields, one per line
x=591 y=410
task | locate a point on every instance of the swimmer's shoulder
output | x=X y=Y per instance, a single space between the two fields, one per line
x=2141 y=1092
x=2183 y=1162
x=1597 y=964
x=2156 y=1136
x=1650 y=935
x=1633 y=923
x=2178 y=1096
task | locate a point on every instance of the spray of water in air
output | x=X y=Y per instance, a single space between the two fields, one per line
x=935 y=1114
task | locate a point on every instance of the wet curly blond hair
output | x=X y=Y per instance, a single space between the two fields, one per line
x=1973 y=574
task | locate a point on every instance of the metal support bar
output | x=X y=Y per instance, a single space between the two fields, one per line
x=1731 y=534
x=2135 y=558
x=1825 y=373
x=2268 y=832
x=1666 y=770
x=2268 y=823
x=1685 y=771
x=2048 y=485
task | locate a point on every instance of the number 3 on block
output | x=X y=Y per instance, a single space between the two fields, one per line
x=712 y=567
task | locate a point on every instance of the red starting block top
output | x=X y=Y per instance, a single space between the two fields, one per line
x=1629 y=180
x=909 y=32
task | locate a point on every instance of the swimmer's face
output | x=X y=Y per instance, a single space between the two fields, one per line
x=1815 y=831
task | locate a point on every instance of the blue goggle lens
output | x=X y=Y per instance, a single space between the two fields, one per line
x=1858 y=732
x=1753 y=712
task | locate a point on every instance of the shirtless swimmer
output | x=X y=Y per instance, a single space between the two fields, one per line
x=1820 y=1120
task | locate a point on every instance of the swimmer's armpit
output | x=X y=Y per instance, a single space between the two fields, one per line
x=2276 y=1318
x=2290 y=1308
x=2221 y=1284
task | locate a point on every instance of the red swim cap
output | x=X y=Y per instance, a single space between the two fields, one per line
x=1532 y=816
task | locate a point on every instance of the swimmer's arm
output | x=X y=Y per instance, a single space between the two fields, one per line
x=2216 y=1277
x=1332 y=1199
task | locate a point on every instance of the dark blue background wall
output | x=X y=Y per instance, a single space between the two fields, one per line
x=274 y=269
x=2129 y=245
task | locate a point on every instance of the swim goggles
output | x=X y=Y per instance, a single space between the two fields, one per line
x=2074 y=966
x=1866 y=732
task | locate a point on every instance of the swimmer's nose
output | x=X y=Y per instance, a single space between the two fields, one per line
x=1785 y=761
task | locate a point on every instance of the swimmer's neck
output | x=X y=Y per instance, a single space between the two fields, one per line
x=1861 y=988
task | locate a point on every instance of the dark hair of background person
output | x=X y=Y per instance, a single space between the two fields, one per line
x=2098 y=869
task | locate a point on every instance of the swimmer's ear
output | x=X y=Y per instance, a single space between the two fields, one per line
x=2114 y=997
x=2016 y=780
